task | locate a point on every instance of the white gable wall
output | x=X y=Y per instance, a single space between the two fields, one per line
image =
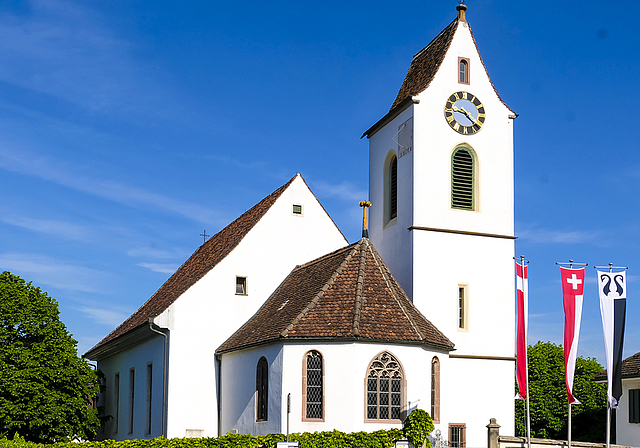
x=210 y=311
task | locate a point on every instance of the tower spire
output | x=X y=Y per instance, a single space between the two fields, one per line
x=461 y=8
x=365 y=226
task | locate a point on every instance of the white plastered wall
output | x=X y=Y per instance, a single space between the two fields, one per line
x=345 y=366
x=210 y=311
x=627 y=433
x=137 y=357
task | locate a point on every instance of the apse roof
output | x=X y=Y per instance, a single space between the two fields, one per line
x=349 y=294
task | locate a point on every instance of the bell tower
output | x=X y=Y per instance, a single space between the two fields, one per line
x=441 y=184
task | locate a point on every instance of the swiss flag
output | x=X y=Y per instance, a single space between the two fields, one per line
x=572 y=293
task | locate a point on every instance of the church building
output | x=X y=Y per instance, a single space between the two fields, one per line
x=276 y=323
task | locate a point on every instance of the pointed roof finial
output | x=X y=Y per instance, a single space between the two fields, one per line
x=461 y=8
x=365 y=226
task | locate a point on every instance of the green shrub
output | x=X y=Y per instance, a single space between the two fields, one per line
x=417 y=426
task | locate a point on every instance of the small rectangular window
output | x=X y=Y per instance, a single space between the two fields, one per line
x=149 y=392
x=462 y=307
x=296 y=209
x=463 y=70
x=634 y=405
x=457 y=435
x=132 y=381
x=116 y=401
x=241 y=286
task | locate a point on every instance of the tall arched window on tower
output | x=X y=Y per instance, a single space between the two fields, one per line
x=462 y=179
x=313 y=387
x=262 y=389
x=435 y=389
x=385 y=387
x=391 y=188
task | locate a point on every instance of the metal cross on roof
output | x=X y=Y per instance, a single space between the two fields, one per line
x=204 y=236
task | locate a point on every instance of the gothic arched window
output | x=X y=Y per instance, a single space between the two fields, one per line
x=435 y=389
x=391 y=188
x=385 y=388
x=262 y=389
x=462 y=179
x=313 y=387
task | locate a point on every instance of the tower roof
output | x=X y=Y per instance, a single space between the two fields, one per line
x=349 y=294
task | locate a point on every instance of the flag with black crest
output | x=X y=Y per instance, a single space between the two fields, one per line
x=612 y=287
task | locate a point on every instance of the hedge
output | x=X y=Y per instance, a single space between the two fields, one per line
x=326 y=439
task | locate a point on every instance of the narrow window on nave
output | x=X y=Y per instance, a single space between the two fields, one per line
x=390 y=188
x=457 y=435
x=463 y=307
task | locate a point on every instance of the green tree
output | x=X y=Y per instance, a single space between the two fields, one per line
x=548 y=397
x=46 y=390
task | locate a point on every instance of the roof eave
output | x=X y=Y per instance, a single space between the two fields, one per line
x=391 y=115
x=126 y=340
x=427 y=344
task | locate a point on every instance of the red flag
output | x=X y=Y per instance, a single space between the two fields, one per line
x=521 y=340
x=572 y=292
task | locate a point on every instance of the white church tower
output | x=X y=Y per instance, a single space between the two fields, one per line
x=441 y=183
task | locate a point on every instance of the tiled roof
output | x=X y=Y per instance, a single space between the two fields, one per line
x=350 y=294
x=630 y=369
x=202 y=261
x=425 y=64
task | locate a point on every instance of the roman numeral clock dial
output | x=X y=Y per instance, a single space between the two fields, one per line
x=464 y=112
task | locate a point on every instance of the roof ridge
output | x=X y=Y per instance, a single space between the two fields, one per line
x=357 y=309
x=322 y=291
x=394 y=293
x=433 y=40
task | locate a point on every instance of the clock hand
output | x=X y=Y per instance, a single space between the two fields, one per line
x=466 y=114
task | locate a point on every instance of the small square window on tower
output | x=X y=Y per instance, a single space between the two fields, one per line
x=241 y=286
x=463 y=70
x=297 y=209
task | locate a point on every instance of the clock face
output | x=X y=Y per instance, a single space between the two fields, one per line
x=464 y=112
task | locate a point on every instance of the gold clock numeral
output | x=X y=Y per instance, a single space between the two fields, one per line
x=456 y=126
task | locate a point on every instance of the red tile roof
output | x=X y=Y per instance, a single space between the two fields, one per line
x=200 y=263
x=350 y=294
x=630 y=369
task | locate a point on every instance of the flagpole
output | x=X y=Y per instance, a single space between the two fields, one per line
x=571 y=263
x=608 y=435
x=526 y=366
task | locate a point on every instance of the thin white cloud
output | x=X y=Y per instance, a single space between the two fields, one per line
x=159 y=267
x=150 y=252
x=346 y=191
x=540 y=235
x=104 y=316
x=61 y=229
x=26 y=163
x=44 y=270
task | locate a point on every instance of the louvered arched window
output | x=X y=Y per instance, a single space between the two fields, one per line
x=262 y=389
x=313 y=386
x=385 y=388
x=462 y=179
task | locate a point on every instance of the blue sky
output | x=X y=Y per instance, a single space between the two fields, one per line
x=127 y=128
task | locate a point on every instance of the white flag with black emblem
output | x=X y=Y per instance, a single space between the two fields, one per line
x=612 y=287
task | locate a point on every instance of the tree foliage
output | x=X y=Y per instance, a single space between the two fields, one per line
x=548 y=397
x=417 y=426
x=46 y=391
